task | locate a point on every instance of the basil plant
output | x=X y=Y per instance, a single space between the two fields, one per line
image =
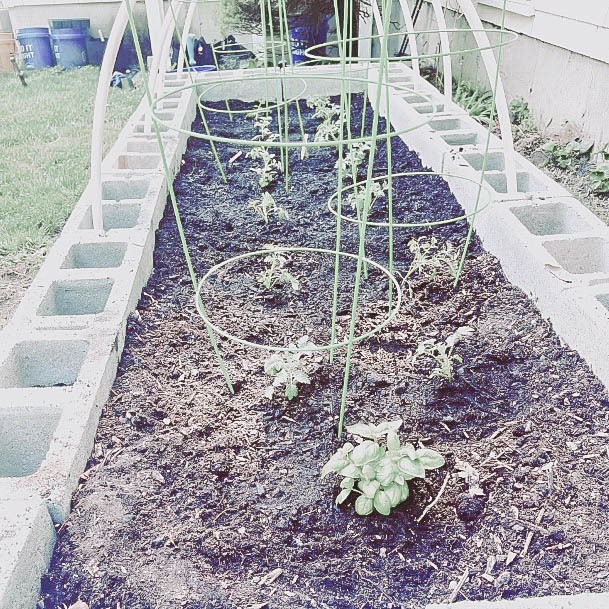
x=378 y=472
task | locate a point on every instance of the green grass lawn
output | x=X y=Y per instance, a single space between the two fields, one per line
x=45 y=143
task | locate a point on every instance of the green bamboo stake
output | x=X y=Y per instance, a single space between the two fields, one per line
x=286 y=25
x=198 y=101
x=174 y=203
x=286 y=126
x=282 y=150
x=470 y=230
x=340 y=180
x=389 y=191
x=367 y=201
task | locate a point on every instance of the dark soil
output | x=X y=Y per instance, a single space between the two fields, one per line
x=193 y=496
x=576 y=178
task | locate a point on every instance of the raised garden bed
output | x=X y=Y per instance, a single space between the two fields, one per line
x=194 y=498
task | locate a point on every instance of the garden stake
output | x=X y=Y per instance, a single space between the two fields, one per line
x=487 y=144
x=198 y=101
x=367 y=199
x=174 y=202
x=341 y=152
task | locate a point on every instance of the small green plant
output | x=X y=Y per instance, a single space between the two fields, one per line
x=599 y=178
x=378 y=472
x=262 y=122
x=477 y=102
x=329 y=128
x=521 y=115
x=276 y=273
x=443 y=353
x=288 y=370
x=271 y=167
x=565 y=156
x=355 y=156
x=266 y=206
x=430 y=258
x=357 y=197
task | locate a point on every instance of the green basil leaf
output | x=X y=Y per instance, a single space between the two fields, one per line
x=364 y=505
x=361 y=429
x=350 y=471
x=393 y=441
x=382 y=503
x=405 y=491
x=387 y=426
x=347 y=483
x=385 y=472
x=394 y=492
x=410 y=468
x=408 y=450
x=429 y=459
x=343 y=495
x=366 y=452
x=368 y=471
x=368 y=487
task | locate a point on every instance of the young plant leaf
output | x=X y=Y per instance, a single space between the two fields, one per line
x=343 y=495
x=382 y=503
x=410 y=468
x=364 y=505
x=429 y=459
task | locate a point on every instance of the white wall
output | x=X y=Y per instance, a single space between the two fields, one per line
x=36 y=13
x=556 y=64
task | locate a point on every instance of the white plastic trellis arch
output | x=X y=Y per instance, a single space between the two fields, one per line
x=154 y=10
x=490 y=65
x=161 y=27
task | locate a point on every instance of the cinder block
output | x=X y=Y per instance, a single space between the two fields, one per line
x=43 y=363
x=118 y=190
x=148 y=128
x=25 y=437
x=142 y=146
x=95 y=255
x=427 y=108
x=115 y=216
x=76 y=297
x=494 y=161
x=169 y=104
x=27 y=537
x=61 y=441
x=604 y=300
x=582 y=255
x=414 y=98
x=525 y=182
x=555 y=218
x=460 y=138
x=136 y=162
x=448 y=124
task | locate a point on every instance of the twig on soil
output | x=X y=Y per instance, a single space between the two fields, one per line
x=455 y=592
x=270 y=577
x=530 y=534
x=437 y=498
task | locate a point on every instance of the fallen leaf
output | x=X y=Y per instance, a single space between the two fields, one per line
x=269 y=578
